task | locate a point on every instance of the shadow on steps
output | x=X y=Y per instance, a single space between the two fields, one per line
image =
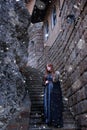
x=20 y=121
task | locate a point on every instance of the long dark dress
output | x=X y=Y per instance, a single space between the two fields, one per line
x=56 y=105
x=47 y=99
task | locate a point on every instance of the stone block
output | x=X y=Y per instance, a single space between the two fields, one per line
x=81 y=94
x=70 y=101
x=82 y=118
x=83 y=78
x=83 y=65
x=74 y=109
x=85 y=33
x=84 y=106
x=75 y=98
x=77 y=85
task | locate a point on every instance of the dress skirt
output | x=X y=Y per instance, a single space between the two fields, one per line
x=47 y=102
x=56 y=105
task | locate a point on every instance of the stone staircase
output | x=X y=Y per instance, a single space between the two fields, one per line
x=36 y=92
x=20 y=120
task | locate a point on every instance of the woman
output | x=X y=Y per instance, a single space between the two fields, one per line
x=56 y=102
x=48 y=80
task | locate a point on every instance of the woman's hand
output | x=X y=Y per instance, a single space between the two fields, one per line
x=46 y=82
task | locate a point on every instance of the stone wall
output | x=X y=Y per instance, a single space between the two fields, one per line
x=35 y=46
x=14 y=21
x=53 y=30
x=69 y=55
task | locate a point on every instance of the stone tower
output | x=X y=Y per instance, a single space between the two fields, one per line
x=36 y=46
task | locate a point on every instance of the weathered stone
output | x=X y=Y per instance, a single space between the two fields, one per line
x=84 y=128
x=14 y=22
x=84 y=105
x=35 y=46
x=81 y=94
x=82 y=119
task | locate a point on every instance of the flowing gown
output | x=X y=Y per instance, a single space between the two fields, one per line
x=47 y=99
x=56 y=105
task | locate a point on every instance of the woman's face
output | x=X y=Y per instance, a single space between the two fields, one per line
x=48 y=68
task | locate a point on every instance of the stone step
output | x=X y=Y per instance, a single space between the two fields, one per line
x=35 y=89
x=35 y=121
x=69 y=126
x=37 y=106
x=36 y=116
x=33 y=82
x=68 y=117
x=36 y=127
x=36 y=96
x=38 y=85
x=36 y=102
x=32 y=93
x=36 y=112
x=44 y=127
x=64 y=129
x=39 y=129
x=36 y=93
x=40 y=110
x=68 y=120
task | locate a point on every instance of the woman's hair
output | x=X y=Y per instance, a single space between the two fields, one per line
x=56 y=76
x=51 y=66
